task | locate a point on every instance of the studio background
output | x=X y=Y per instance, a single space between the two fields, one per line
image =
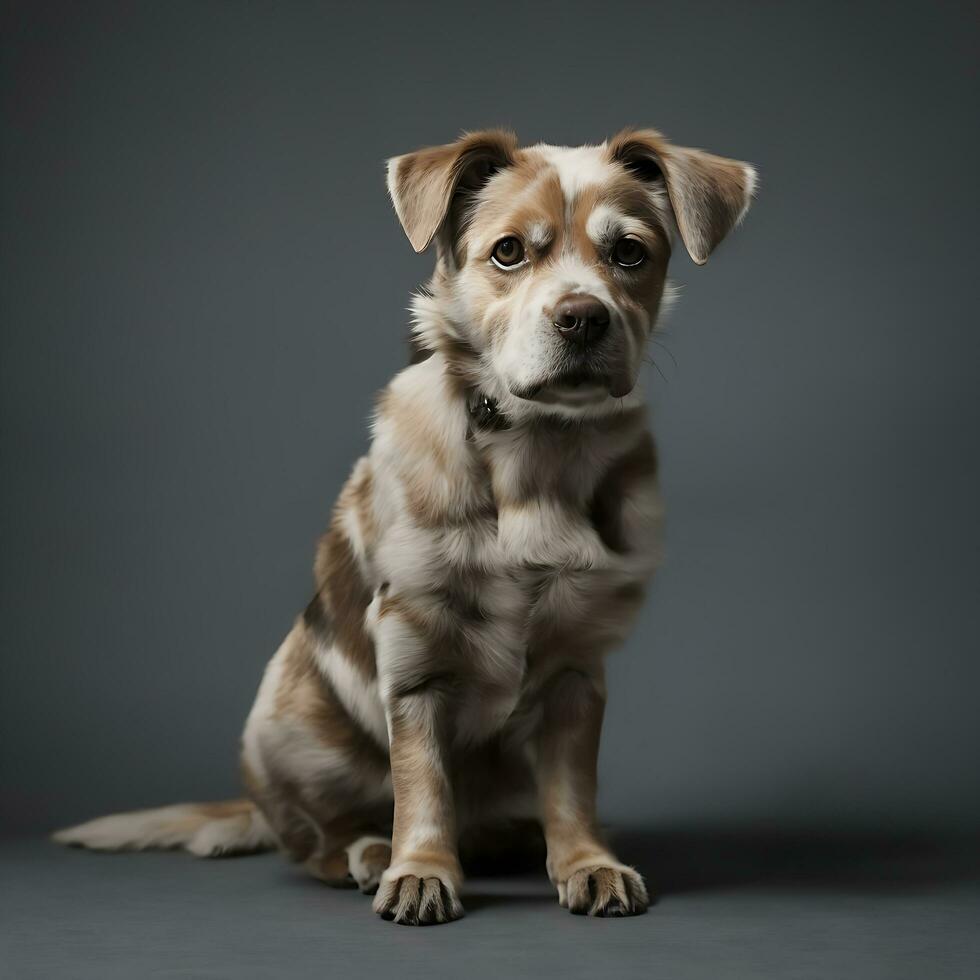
x=204 y=286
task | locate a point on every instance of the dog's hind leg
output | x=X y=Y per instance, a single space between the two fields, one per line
x=345 y=851
x=321 y=780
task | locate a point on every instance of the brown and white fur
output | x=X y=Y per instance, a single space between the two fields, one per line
x=444 y=689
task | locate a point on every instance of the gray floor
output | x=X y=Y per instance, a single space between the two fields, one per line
x=732 y=905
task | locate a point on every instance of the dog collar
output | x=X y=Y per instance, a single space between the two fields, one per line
x=484 y=412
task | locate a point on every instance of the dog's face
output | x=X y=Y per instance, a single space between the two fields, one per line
x=552 y=260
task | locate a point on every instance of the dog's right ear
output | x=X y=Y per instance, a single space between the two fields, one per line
x=423 y=184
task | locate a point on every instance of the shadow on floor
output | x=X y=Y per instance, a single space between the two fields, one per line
x=678 y=861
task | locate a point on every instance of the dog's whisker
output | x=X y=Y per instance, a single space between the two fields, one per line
x=666 y=350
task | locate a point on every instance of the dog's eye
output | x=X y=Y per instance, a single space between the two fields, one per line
x=628 y=252
x=507 y=253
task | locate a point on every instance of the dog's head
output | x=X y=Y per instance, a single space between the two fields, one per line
x=552 y=260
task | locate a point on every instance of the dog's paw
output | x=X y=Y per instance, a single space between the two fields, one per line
x=412 y=900
x=604 y=891
x=368 y=858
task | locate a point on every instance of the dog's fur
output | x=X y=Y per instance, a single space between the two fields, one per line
x=444 y=688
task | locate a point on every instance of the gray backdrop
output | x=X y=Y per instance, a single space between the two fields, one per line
x=203 y=286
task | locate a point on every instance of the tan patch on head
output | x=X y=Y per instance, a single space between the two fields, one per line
x=524 y=199
x=640 y=214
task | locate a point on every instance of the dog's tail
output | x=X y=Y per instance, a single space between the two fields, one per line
x=204 y=829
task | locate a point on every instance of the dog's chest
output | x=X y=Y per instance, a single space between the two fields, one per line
x=541 y=602
x=497 y=662
x=507 y=567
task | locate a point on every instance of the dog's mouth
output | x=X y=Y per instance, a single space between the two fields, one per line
x=575 y=386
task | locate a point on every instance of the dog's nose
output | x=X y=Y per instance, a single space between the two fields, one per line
x=580 y=320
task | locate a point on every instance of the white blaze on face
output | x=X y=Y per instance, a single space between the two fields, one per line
x=578 y=167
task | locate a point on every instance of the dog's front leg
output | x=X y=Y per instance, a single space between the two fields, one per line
x=588 y=877
x=422 y=884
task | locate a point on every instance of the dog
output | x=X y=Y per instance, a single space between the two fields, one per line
x=443 y=692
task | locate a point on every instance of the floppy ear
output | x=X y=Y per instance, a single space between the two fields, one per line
x=422 y=184
x=709 y=195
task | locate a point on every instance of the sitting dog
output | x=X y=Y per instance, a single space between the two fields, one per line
x=443 y=691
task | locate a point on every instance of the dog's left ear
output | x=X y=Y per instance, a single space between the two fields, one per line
x=423 y=184
x=708 y=194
